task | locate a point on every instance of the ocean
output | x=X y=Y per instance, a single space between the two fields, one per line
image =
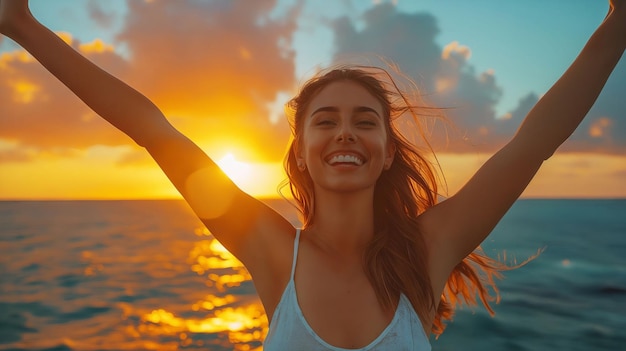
x=145 y=275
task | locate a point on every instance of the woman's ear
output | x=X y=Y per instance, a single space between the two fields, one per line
x=298 y=156
x=391 y=152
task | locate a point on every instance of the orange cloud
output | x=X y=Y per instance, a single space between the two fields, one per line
x=455 y=49
x=39 y=112
x=220 y=69
x=20 y=56
x=214 y=69
x=23 y=91
x=96 y=46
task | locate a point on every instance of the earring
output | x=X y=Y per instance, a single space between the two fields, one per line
x=301 y=166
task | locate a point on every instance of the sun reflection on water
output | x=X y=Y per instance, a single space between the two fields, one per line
x=210 y=256
x=238 y=317
x=228 y=319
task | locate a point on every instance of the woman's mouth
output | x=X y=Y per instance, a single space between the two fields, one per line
x=345 y=159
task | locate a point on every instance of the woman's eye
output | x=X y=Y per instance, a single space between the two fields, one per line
x=325 y=122
x=367 y=123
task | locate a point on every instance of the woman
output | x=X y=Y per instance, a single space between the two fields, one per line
x=378 y=261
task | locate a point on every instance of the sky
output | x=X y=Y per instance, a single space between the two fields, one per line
x=222 y=71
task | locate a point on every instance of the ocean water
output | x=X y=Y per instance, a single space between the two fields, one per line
x=144 y=275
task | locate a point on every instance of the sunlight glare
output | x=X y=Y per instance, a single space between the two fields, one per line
x=259 y=179
x=236 y=170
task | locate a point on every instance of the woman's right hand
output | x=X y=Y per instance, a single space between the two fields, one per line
x=12 y=13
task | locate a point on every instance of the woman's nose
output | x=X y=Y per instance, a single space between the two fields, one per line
x=346 y=135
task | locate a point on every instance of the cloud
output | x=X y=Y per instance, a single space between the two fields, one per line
x=38 y=111
x=103 y=18
x=407 y=39
x=507 y=124
x=443 y=74
x=469 y=98
x=210 y=64
x=604 y=129
x=15 y=155
x=218 y=62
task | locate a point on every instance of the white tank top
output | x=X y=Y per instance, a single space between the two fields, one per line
x=289 y=330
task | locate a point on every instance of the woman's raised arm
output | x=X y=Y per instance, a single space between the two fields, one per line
x=458 y=225
x=231 y=215
x=113 y=100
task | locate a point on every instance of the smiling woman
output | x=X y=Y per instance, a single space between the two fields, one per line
x=379 y=263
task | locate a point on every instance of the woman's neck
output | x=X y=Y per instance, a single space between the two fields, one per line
x=343 y=222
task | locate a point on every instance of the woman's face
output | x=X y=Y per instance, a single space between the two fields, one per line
x=344 y=144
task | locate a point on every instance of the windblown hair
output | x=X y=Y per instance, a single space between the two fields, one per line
x=396 y=259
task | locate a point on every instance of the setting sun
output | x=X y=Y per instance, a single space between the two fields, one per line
x=257 y=179
x=239 y=172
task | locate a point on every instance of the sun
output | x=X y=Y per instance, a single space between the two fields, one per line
x=239 y=172
x=259 y=179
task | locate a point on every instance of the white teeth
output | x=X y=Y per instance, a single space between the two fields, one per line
x=346 y=159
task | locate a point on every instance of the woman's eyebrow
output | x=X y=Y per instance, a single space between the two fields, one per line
x=336 y=109
x=325 y=109
x=366 y=109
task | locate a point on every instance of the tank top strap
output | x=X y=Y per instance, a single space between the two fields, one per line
x=296 y=243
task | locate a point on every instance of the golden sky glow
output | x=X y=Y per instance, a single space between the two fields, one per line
x=564 y=175
x=88 y=178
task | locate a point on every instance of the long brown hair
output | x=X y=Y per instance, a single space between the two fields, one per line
x=396 y=259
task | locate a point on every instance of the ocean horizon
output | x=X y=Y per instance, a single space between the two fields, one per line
x=146 y=275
